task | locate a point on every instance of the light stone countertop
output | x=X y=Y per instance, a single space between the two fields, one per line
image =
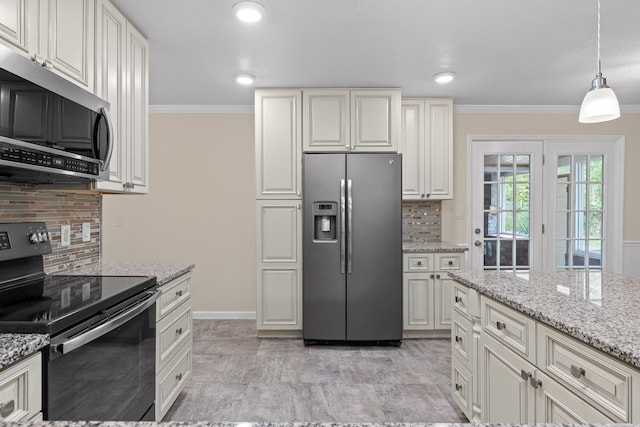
x=14 y=347
x=164 y=272
x=250 y=424
x=431 y=247
x=601 y=309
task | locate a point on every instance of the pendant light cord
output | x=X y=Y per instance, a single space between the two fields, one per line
x=599 y=72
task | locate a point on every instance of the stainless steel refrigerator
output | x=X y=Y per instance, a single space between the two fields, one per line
x=352 y=250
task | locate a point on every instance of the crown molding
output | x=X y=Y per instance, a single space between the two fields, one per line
x=531 y=108
x=200 y=109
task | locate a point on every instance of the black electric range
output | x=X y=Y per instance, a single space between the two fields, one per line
x=102 y=331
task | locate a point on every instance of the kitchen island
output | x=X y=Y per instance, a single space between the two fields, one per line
x=14 y=347
x=545 y=347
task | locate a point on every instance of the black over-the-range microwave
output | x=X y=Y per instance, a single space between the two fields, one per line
x=51 y=131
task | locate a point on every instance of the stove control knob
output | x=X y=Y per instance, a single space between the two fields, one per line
x=40 y=237
x=33 y=238
x=45 y=236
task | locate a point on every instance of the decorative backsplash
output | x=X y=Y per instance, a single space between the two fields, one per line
x=421 y=221
x=26 y=203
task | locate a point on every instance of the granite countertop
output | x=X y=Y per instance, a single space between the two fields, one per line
x=601 y=309
x=425 y=247
x=164 y=272
x=16 y=346
x=249 y=424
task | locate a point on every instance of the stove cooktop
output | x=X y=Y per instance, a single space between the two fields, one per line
x=58 y=302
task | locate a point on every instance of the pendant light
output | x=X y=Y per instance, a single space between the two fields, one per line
x=600 y=104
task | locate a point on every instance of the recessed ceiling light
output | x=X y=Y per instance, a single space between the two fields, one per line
x=245 y=79
x=248 y=11
x=444 y=77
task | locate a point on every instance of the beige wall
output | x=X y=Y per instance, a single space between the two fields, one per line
x=201 y=206
x=454 y=212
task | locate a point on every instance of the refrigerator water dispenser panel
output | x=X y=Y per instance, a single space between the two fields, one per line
x=324 y=221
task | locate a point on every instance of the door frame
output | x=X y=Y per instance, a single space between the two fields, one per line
x=614 y=210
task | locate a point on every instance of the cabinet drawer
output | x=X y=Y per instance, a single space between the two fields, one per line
x=461 y=339
x=511 y=328
x=446 y=262
x=173 y=331
x=462 y=386
x=461 y=299
x=21 y=389
x=170 y=381
x=600 y=380
x=173 y=294
x=418 y=262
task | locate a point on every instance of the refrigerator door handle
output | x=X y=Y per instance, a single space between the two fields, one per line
x=349 y=226
x=342 y=226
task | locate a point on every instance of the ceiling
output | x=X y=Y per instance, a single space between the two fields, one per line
x=504 y=52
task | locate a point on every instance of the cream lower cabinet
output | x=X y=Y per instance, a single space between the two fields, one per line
x=521 y=371
x=174 y=342
x=279 y=267
x=426 y=144
x=427 y=292
x=21 y=390
x=122 y=69
x=344 y=120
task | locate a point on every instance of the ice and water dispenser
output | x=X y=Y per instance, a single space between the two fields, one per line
x=324 y=221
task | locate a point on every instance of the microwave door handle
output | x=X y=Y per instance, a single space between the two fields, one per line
x=107 y=118
x=95 y=333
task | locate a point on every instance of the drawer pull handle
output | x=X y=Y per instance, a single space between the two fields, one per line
x=450 y=262
x=501 y=325
x=437 y=276
x=178 y=377
x=525 y=375
x=458 y=339
x=419 y=263
x=179 y=293
x=535 y=383
x=179 y=331
x=457 y=299
x=7 y=408
x=433 y=276
x=458 y=387
x=577 y=371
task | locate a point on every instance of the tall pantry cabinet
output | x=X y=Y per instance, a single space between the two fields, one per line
x=278 y=210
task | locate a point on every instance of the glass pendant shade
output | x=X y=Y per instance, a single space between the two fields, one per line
x=600 y=104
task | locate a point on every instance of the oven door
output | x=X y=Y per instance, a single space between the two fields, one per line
x=104 y=368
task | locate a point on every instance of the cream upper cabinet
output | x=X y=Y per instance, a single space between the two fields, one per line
x=278 y=130
x=122 y=56
x=19 y=25
x=59 y=34
x=279 y=265
x=67 y=39
x=427 y=146
x=342 y=120
x=326 y=120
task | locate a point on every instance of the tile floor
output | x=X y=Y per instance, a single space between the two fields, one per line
x=238 y=377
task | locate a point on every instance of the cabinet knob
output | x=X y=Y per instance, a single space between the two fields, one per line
x=432 y=276
x=577 y=371
x=7 y=408
x=458 y=387
x=437 y=276
x=178 y=377
x=457 y=299
x=450 y=262
x=501 y=325
x=419 y=263
x=458 y=339
x=179 y=331
x=179 y=293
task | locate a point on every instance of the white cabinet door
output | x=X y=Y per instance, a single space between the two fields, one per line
x=279 y=256
x=412 y=148
x=427 y=148
x=505 y=390
x=443 y=298
x=17 y=28
x=67 y=39
x=111 y=33
x=375 y=119
x=439 y=152
x=325 y=121
x=21 y=389
x=137 y=89
x=418 y=295
x=278 y=144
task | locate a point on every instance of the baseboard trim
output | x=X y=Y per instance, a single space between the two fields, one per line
x=208 y=315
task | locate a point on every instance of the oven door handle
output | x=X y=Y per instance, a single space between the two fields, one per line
x=92 y=334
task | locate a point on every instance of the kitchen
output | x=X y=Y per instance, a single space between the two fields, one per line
x=224 y=286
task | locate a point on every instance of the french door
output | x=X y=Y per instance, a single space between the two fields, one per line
x=546 y=204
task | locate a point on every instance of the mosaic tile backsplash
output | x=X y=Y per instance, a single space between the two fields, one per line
x=421 y=221
x=26 y=203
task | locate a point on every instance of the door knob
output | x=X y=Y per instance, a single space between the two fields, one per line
x=477 y=243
